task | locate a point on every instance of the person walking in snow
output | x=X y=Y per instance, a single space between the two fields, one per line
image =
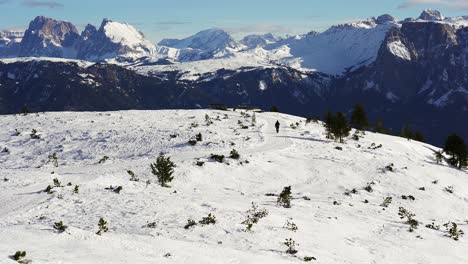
x=277 y=125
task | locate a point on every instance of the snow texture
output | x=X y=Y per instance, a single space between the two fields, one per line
x=333 y=227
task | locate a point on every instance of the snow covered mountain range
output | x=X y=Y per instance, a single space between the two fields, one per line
x=335 y=51
x=404 y=71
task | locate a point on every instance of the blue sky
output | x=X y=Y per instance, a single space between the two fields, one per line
x=180 y=18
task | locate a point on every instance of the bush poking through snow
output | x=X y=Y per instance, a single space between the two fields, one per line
x=102 y=226
x=133 y=177
x=208 y=220
x=208 y=120
x=190 y=223
x=433 y=226
x=408 y=197
x=284 y=198
x=405 y=214
x=19 y=256
x=198 y=137
x=438 y=156
x=374 y=147
x=53 y=159
x=290 y=225
x=449 y=189
x=48 y=189
x=308 y=259
x=291 y=244
x=103 y=160
x=57 y=183
x=218 y=158
x=115 y=189
x=60 y=227
x=452 y=230
x=192 y=142
x=234 y=154
x=386 y=202
x=253 y=216
x=34 y=134
x=76 y=189
x=163 y=169
x=368 y=188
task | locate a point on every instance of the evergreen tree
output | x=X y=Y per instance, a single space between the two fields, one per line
x=379 y=127
x=328 y=123
x=359 y=118
x=274 y=109
x=26 y=110
x=163 y=168
x=418 y=136
x=407 y=132
x=340 y=127
x=455 y=147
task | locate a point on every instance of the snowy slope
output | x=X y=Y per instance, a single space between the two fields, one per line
x=349 y=232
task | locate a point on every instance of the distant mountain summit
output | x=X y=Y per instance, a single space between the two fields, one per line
x=431 y=15
x=205 y=44
x=113 y=40
x=46 y=37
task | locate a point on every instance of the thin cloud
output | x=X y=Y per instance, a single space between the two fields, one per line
x=48 y=4
x=455 y=4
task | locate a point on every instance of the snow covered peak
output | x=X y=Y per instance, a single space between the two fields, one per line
x=385 y=18
x=114 y=40
x=209 y=40
x=122 y=33
x=253 y=41
x=431 y=15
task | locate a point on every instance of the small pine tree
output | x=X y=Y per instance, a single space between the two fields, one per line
x=57 y=183
x=102 y=225
x=379 y=126
x=133 y=177
x=340 y=127
x=284 y=199
x=274 y=109
x=25 y=110
x=234 y=154
x=60 y=227
x=76 y=189
x=413 y=223
x=359 y=118
x=19 y=256
x=453 y=231
x=199 y=137
x=163 y=168
x=53 y=159
x=291 y=244
x=418 y=136
x=407 y=132
x=254 y=120
x=208 y=220
x=438 y=156
x=34 y=134
x=455 y=147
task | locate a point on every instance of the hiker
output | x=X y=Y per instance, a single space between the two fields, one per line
x=277 y=126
